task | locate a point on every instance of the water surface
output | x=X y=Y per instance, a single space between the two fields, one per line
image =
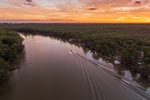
x=49 y=71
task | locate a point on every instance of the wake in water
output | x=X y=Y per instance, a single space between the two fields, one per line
x=96 y=91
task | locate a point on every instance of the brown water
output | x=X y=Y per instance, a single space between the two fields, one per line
x=49 y=71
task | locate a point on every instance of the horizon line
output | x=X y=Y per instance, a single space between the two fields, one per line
x=55 y=22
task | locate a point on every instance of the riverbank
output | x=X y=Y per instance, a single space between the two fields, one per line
x=47 y=70
x=10 y=47
x=130 y=43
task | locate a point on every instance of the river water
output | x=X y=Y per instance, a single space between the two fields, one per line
x=50 y=71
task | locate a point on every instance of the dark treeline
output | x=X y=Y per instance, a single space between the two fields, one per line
x=10 y=46
x=129 y=43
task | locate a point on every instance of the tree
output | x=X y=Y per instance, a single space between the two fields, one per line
x=4 y=69
x=130 y=55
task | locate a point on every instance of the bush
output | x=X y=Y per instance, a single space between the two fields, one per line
x=4 y=69
x=10 y=46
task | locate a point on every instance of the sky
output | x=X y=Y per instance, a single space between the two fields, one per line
x=74 y=11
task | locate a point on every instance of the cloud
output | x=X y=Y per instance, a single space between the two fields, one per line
x=146 y=1
x=14 y=2
x=92 y=8
x=29 y=0
x=28 y=4
x=114 y=3
x=143 y=2
x=105 y=2
x=76 y=10
x=137 y=2
x=20 y=3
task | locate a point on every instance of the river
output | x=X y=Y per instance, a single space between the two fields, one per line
x=49 y=70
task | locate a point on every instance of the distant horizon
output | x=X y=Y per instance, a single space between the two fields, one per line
x=50 y=22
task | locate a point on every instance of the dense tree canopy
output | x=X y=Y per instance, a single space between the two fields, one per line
x=10 y=46
x=128 y=42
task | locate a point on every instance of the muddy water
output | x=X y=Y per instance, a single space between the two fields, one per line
x=49 y=71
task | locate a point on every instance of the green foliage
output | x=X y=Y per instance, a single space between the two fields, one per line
x=130 y=55
x=4 y=69
x=10 y=46
x=145 y=70
x=146 y=57
x=129 y=42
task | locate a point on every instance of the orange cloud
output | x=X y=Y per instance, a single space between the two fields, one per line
x=77 y=10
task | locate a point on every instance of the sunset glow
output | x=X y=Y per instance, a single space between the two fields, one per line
x=86 y=11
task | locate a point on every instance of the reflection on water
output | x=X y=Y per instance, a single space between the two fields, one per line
x=47 y=63
x=121 y=70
